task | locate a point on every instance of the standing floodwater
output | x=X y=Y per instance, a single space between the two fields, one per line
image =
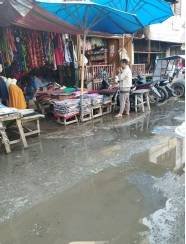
x=111 y=181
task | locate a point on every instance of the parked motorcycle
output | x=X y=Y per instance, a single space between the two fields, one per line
x=156 y=93
x=179 y=88
x=165 y=83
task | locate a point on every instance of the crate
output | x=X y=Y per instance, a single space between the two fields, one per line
x=86 y=117
x=66 y=119
x=97 y=111
x=107 y=108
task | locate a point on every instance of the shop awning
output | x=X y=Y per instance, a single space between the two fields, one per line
x=26 y=14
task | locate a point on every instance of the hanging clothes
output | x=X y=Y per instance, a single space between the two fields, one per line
x=22 y=50
x=3 y=92
x=68 y=59
x=16 y=97
x=58 y=50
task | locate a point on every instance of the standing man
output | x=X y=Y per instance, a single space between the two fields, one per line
x=125 y=84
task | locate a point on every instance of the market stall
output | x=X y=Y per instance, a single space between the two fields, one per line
x=40 y=61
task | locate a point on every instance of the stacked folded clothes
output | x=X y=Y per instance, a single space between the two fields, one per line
x=107 y=99
x=86 y=105
x=67 y=107
x=96 y=99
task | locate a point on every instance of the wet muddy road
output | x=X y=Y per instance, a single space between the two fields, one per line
x=110 y=180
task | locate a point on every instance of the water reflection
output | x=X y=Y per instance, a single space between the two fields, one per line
x=168 y=152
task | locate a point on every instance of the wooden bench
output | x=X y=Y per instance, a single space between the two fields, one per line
x=141 y=99
x=32 y=118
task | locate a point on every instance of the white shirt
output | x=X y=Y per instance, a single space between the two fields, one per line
x=125 y=79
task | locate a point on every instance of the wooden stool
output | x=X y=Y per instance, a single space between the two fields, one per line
x=140 y=101
x=5 y=140
x=32 y=118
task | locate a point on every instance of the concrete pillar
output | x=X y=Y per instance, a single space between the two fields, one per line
x=168 y=52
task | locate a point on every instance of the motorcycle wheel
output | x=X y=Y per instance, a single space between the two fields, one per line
x=164 y=94
x=154 y=99
x=179 y=89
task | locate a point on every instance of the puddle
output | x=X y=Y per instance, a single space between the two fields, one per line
x=107 y=206
x=120 y=204
x=92 y=183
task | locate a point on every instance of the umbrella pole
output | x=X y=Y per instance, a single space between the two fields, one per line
x=82 y=75
x=123 y=37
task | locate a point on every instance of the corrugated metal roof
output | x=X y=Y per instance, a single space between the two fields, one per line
x=26 y=14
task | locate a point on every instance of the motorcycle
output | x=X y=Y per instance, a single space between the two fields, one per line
x=165 y=83
x=156 y=94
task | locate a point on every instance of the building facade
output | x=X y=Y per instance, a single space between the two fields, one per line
x=160 y=40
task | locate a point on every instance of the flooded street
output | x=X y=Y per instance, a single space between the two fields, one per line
x=108 y=181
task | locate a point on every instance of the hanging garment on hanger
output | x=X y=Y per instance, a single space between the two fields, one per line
x=16 y=97
x=3 y=92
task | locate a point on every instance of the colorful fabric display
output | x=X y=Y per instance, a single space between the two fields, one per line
x=29 y=49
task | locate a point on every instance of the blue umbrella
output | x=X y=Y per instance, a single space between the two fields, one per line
x=90 y=16
x=147 y=11
x=94 y=15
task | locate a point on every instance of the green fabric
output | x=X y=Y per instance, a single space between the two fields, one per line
x=69 y=90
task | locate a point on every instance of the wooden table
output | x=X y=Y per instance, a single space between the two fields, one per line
x=11 y=117
x=32 y=118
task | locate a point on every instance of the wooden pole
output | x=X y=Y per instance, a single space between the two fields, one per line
x=83 y=64
x=123 y=41
x=79 y=55
x=149 y=54
x=82 y=73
